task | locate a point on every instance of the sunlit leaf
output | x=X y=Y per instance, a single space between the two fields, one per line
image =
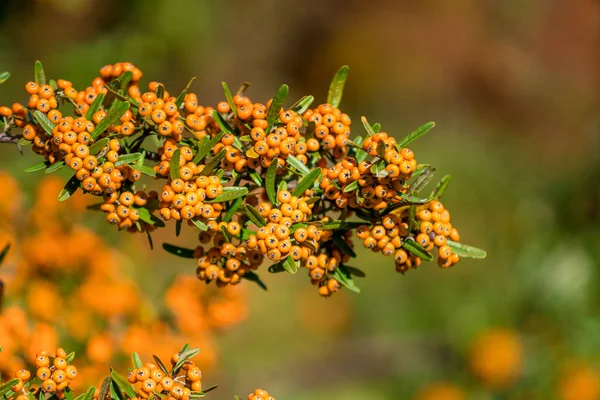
x=342 y=275
x=123 y=384
x=466 y=251
x=307 y=182
x=70 y=187
x=300 y=167
x=221 y=122
x=136 y=360
x=290 y=265
x=302 y=105
x=416 y=249
x=421 y=181
x=367 y=126
x=420 y=131
x=229 y=98
x=229 y=193
x=44 y=121
x=254 y=216
x=95 y=106
x=276 y=104
x=441 y=187
x=130 y=158
x=336 y=88
x=4 y=76
x=38 y=73
x=113 y=115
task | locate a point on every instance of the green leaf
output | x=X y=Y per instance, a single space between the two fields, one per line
x=378 y=168
x=70 y=357
x=221 y=122
x=276 y=104
x=254 y=216
x=412 y=210
x=203 y=392
x=178 y=251
x=4 y=76
x=255 y=176
x=114 y=115
x=44 y=122
x=355 y=271
x=104 y=388
x=302 y=105
x=4 y=252
x=160 y=91
x=37 y=167
x=381 y=150
x=174 y=170
x=38 y=73
x=440 y=188
x=68 y=394
x=98 y=146
x=416 y=249
x=376 y=127
x=144 y=169
x=160 y=364
x=253 y=277
x=300 y=167
x=351 y=187
x=290 y=265
x=136 y=360
x=232 y=209
x=5 y=388
x=229 y=98
x=88 y=395
x=94 y=106
x=336 y=88
x=149 y=218
x=276 y=268
x=213 y=163
x=342 y=245
x=421 y=181
x=200 y=225
x=229 y=193
x=23 y=142
x=53 y=84
x=133 y=157
x=367 y=126
x=123 y=384
x=307 y=182
x=178 y=224
x=206 y=145
x=342 y=275
x=184 y=356
x=70 y=187
x=421 y=168
x=270 y=181
x=466 y=251
x=181 y=96
x=420 y=131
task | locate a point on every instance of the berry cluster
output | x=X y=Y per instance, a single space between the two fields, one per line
x=259 y=180
x=260 y=394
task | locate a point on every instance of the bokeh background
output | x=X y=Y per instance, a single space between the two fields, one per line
x=514 y=88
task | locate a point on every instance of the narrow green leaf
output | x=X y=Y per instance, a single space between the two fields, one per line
x=367 y=126
x=213 y=163
x=38 y=73
x=178 y=224
x=381 y=150
x=270 y=181
x=421 y=168
x=276 y=104
x=4 y=252
x=376 y=127
x=5 y=388
x=178 y=251
x=282 y=186
x=70 y=357
x=98 y=146
x=89 y=394
x=441 y=187
x=70 y=187
x=114 y=115
x=342 y=245
x=200 y=225
x=420 y=131
x=181 y=96
x=355 y=271
x=144 y=169
x=252 y=276
x=300 y=167
x=276 y=268
x=307 y=182
x=411 y=217
x=302 y=105
x=421 y=181
x=416 y=249
x=160 y=364
x=136 y=360
x=206 y=145
x=133 y=157
x=44 y=122
x=336 y=88
x=103 y=395
x=255 y=176
x=225 y=233
x=184 y=356
x=351 y=187
x=53 y=84
x=204 y=391
x=174 y=170
x=466 y=251
x=232 y=209
x=149 y=218
x=24 y=142
x=37 y=167
x=221 y=122
x=229 y=98
x=160 y=91
x=342 y=275
x=4 y=76
x=254 y=216
x=123 y=384
x=94 y=106
x=290 y=265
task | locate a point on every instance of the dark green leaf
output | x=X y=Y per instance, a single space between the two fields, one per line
x=149 y=218
x=98 y=146
x=342 y=275
x=70 y=187
x=94 y=106
x=44 y=122
x=232 y=209
x=4 y=252
x=113 y=115
x=351 y=187
x=181 y=96
x=336 y=88
x=221 y=122
x=270 y=181
x=133 y=157
x=38 y=73
x=37 y=167
x=206 y=145
x=178 y=251
x=290 y=265
x=200 y=225
x=420 y=131
x=441 y=187
x=254 y=216
x=160 y=91
x=355 y=271
x=302 y=105
x=421 y=181
x=123 y=384
x=307 y=182
x=466 y=251
x=416 y=249
x=229 y=98
x=4 y=76
x=300 y=167
x=276 y=104
x=174 y=169
x=178 y=224
x=213 y=163
x=251 y=276
x=367 y=126
x=160 y=364
x=276 y=268
x=342 y=245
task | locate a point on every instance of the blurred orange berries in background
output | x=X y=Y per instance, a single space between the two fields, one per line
x=441 y=391
x=65 y=283
x=579 y=381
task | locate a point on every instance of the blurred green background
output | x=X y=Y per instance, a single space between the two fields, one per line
x=514 y=88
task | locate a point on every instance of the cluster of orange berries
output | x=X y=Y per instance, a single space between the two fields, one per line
x=54 y=372
x=260 y=394
x=435 y=230
x=220 y=162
